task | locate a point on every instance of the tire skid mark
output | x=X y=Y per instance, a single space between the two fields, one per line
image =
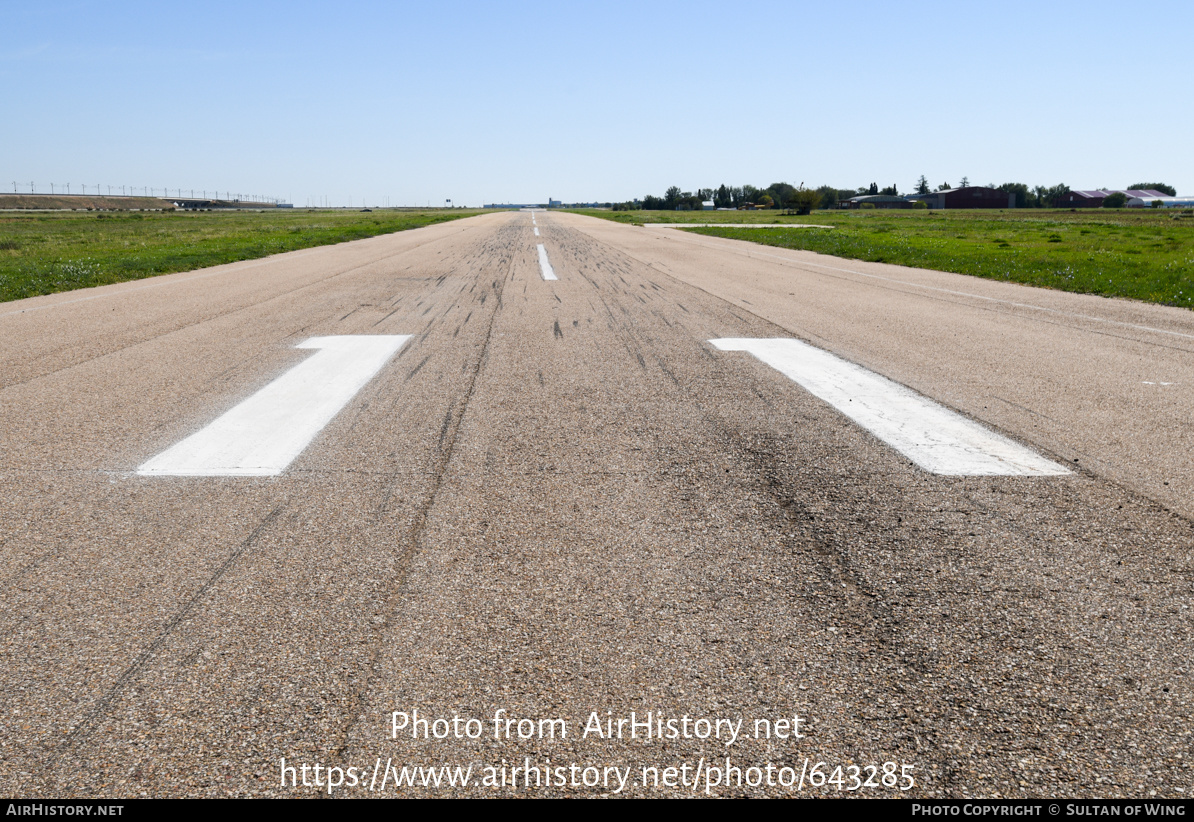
x=410 y=543
x=857 y=595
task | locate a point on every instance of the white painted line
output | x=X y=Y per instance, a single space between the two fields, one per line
x=935 y=438
x=262 y=435
x=536 y=231
x=545 y=265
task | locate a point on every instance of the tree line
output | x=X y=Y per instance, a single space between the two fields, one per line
x=803 y=200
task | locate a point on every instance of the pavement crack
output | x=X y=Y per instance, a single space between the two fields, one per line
x=82 y=730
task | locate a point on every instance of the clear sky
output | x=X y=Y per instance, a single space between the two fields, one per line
x=515 y=102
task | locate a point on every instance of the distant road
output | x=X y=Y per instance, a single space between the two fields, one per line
x=944 y=521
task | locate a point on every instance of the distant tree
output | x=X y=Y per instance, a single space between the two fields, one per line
x=722 y=197
x=944 y=187
x=737 y=196
x=829 y=196
x=1170 y=190
x=750 y=194
x=765 y=200
x=891 y=191
x=1053 y=194
x=671 y=198
x=1020 y=190
x=781 y=192
x=705 y=193
x=872 y=189
x=1115 y=199
x=922 y=185
x=965 y=182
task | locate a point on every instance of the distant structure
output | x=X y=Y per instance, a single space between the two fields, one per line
x=879 y=201
x=1094 y=198
x=1165 y=201
x=968 y=197
x=553 y=203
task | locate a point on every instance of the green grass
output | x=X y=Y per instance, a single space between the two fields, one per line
x=1144 y=255
x=41 y=253
x=644 y=217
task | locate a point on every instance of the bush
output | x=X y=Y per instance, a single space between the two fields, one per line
x=866 y=205
x=803 y=200
x=921 y=204
x=1158 y=204
x=1115 y=199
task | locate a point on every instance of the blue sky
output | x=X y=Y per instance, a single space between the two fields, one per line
x=515 y=102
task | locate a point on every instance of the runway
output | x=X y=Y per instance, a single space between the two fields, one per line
x=544 y=492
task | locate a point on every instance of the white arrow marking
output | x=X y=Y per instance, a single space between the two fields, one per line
x=545 y=265
x=262 y=435
x=933 y=437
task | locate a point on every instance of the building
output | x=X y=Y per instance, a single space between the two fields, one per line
x=968 y=197
x=878 y=201
x=1094 y=198
x=1165 y=201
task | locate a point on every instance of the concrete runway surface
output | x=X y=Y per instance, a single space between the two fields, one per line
x=558 y=499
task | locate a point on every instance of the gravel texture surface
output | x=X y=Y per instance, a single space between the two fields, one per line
x=559 y=500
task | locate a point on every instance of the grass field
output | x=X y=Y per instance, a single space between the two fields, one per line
x=729 y=217
x=41 y=253
x=1144 y=255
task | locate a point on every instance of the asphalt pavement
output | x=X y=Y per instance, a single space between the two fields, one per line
x=608 y=555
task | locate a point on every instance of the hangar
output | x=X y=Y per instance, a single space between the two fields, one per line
x=878 y=201
x=968 y=197
x=1094 y=198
